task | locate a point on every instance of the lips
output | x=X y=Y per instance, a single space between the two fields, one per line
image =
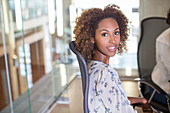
x=112 y=48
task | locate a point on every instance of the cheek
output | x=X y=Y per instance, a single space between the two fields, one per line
x=118 y=40
x=100 y=44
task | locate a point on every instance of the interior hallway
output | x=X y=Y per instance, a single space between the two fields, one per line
x=72 y=97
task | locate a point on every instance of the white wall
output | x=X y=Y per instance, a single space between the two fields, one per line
x=150 y=8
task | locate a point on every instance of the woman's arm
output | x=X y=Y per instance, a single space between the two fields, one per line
x=135 y=100
x=145 y=105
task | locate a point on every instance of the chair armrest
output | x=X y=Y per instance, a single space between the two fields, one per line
x=153 y=85
x=137 y=104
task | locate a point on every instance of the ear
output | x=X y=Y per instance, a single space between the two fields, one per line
x=92 y=40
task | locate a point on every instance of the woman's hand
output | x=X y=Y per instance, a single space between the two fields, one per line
x=144 y=104
x=137 y=100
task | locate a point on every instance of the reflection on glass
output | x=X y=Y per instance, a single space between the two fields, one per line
x=59 y=5
x=63 y=74
x=73 y=15
x=18 y=14
x=6 y=22
x=128 y=71
x=51 y=16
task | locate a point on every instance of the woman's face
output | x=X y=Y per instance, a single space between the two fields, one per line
x=107 y=37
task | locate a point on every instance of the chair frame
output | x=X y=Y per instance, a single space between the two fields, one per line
x=84 y=76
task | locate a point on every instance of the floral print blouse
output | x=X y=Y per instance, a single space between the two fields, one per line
x=106 y=94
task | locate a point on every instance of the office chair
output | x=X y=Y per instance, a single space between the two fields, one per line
x=84 y=75
x=151 y=28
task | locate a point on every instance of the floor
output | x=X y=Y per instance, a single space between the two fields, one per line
x=44 y=91
x=71 y=100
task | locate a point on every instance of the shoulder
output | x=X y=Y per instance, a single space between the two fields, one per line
x=96 y=67
x=164 y=37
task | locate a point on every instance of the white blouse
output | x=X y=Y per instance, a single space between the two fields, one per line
x=106 y=94
x=161 y=72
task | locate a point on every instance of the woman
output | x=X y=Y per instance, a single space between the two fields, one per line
x=100 y=34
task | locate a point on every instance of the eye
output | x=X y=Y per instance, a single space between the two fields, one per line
x=116 y=33
x=104 y=34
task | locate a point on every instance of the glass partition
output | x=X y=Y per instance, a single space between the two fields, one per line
x=15 y=95
x=4 y=94
x=37 y=64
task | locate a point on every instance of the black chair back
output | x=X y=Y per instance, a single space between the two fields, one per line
x=151 y=28
x=84 y=75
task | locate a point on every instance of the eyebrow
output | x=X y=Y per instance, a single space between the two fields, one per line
x=117 y=29
x=108 y=30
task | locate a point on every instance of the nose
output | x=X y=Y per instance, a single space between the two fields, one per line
x=112 y=39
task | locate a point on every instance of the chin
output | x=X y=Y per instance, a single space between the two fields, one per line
x=112 y=55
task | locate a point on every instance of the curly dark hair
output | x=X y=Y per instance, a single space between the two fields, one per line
x=168 y=17
x=87 y=24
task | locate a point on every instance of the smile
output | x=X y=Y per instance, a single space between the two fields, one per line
x=113 y=48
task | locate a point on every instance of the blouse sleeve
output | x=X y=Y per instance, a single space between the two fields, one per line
x=164 y=52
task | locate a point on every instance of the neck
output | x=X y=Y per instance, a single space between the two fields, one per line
x=100 y=57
